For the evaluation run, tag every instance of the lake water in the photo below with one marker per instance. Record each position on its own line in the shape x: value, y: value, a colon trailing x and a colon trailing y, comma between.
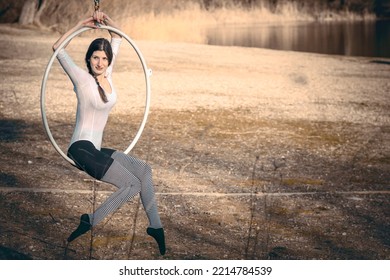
x: 371, y: 39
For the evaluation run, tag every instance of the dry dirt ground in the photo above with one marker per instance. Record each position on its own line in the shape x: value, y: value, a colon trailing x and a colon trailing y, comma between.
x: 257, y: 154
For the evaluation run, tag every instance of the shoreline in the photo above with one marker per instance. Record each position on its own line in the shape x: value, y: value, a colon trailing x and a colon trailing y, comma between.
x: 33, y: 30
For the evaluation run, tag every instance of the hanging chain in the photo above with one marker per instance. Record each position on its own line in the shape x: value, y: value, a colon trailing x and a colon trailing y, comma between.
x: 97, y: 4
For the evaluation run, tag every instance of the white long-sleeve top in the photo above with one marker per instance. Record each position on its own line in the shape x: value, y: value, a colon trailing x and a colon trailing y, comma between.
x: 92, y: 113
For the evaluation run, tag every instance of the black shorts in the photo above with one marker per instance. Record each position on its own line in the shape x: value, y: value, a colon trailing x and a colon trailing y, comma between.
x: 91, y: 160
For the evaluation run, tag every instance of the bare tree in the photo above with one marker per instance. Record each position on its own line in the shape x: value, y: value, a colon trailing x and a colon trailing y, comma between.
x: 31, y: 12
x: 28, y: 12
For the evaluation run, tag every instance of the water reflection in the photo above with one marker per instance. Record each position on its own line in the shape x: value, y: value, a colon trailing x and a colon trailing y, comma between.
x: 341, y: 38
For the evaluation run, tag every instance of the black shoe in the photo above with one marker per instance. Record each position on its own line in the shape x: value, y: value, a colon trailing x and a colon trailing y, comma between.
x: 158, y: 235
x: 83, y: 227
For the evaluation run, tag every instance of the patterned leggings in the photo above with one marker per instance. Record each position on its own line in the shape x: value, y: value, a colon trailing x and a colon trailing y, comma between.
x: 129, y: 174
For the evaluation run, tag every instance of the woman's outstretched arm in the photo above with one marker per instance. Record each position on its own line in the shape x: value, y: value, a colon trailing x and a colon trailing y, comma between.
x: 88, y: 22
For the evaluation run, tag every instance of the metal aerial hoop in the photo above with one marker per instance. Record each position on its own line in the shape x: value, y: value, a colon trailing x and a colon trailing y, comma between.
x: 146, y: 70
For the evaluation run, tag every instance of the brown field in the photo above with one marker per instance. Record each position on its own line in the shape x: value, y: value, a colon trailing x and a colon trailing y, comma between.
x: 257, y: 154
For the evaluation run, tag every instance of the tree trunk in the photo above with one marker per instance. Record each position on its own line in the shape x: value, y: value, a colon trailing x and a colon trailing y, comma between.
x: 29, y: 9
x: 37, y: 17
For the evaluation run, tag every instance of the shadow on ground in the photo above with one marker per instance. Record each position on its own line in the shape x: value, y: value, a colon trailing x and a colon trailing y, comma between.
x: 223, y: 204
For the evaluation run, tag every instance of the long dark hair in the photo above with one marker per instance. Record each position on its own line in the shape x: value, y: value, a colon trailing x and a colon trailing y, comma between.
x: 99, y: 44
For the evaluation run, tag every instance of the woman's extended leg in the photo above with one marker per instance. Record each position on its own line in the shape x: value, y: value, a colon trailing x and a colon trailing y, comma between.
x: 143, y: 172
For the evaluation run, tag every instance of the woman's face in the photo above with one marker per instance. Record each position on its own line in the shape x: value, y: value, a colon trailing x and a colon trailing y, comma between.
x: 98, y: 62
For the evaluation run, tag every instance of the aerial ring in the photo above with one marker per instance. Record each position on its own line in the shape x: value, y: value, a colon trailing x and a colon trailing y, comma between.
x: 147, y: 74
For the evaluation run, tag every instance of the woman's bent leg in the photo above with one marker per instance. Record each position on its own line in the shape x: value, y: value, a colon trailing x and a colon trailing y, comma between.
x: 102, y: 167
x: 143, y: 172
x: 128, y: 186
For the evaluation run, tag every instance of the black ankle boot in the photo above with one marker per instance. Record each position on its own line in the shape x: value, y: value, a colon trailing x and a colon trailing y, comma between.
x: 158, y: 235
x: 83, y: 227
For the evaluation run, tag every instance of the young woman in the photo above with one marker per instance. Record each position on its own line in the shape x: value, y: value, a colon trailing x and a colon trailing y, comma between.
x: 96, y: 96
